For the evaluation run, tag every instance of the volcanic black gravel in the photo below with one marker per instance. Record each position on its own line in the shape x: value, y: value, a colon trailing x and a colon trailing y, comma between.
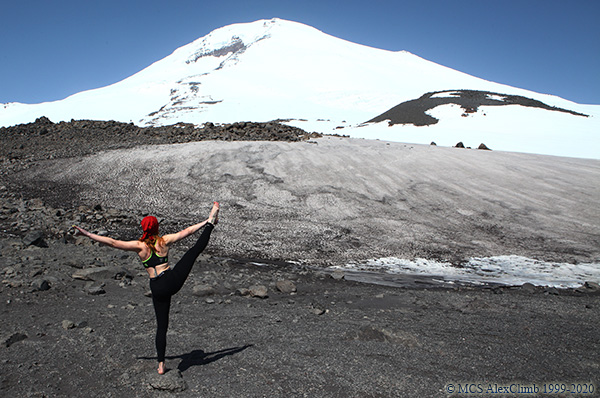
x: 77, y: 319
x: 43, y: 139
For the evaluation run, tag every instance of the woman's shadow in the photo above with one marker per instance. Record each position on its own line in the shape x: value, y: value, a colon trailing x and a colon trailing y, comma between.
x: 199, y: 357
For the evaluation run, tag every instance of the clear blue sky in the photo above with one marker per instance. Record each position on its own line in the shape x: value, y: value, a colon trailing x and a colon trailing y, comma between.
x: 52, y: 49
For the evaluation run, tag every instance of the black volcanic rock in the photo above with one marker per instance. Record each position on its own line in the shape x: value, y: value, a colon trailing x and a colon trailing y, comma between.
x: 415, y: 111
x: 43, y: 139
x: 35, y: 238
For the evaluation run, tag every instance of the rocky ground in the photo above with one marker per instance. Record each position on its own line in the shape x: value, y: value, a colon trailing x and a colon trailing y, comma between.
x: 77, y: 319
x: 43, y: 139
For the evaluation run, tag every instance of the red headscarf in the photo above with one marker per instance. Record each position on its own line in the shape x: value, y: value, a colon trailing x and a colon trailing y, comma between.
x: 150, y: 227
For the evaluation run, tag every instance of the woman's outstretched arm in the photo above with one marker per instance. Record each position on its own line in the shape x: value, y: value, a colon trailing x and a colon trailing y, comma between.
x: 133, y: 245
x: 184, y: 233
x: 212, y: 218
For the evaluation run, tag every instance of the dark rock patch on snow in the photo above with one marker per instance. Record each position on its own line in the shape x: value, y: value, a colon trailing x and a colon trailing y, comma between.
x: 415, y: 111
x: 236, y: 45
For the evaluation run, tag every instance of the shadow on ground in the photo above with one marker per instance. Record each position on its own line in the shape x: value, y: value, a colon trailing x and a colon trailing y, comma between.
x: 201, y: 358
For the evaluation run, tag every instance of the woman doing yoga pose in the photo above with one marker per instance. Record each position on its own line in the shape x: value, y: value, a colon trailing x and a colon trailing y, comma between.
x: 165, y: 281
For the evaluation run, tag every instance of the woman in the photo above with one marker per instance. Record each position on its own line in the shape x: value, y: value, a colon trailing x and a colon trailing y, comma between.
x: 165, y: 281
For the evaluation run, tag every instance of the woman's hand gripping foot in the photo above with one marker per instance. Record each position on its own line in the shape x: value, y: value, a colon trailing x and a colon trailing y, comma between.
x: 213, y: 217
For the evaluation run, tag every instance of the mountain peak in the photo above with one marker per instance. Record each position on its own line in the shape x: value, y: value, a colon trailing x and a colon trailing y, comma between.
x: 282, y: 70
x: 232, y: 38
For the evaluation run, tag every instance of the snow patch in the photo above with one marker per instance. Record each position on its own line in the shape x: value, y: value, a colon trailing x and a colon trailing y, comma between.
x: 504, y: 270
x: 495, y: 97
x: 446, y: 94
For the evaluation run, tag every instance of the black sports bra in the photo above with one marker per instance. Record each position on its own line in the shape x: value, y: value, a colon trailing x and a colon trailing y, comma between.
x: 155, y: 260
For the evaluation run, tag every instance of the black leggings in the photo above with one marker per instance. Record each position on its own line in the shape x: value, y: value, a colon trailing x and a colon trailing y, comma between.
x: 169, y: 283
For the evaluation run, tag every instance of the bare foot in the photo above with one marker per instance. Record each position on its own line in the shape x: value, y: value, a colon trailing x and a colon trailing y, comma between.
x: 213, y: 217
x: 162, y: 368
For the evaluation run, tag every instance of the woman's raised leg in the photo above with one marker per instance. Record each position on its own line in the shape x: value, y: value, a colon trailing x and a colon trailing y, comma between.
x: 182, y: 269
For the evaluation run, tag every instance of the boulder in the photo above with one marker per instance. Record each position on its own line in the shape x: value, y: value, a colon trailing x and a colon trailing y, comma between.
x: 100, y: 273
x: 552, y: 290
x: 338, y: 275
x: 203, y: 290
x: 34, y: 238
x: 95, y: 290
x: 12, y: 338
x: 43, y: 121
x: 286, y: 286
x: 317, y: 308
x: 259, y: 291
x: 40, y: 285
x: 242, y: 291
x: 528, y: 287
x: 172, y: 381
x: 66, y: 324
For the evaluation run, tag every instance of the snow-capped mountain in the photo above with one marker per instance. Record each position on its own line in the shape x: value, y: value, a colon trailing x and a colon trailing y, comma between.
x: 281, y: 70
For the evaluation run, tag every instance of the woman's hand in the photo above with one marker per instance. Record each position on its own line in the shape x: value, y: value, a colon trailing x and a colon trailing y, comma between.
x: 133, y: 245
x: 82, y: 231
